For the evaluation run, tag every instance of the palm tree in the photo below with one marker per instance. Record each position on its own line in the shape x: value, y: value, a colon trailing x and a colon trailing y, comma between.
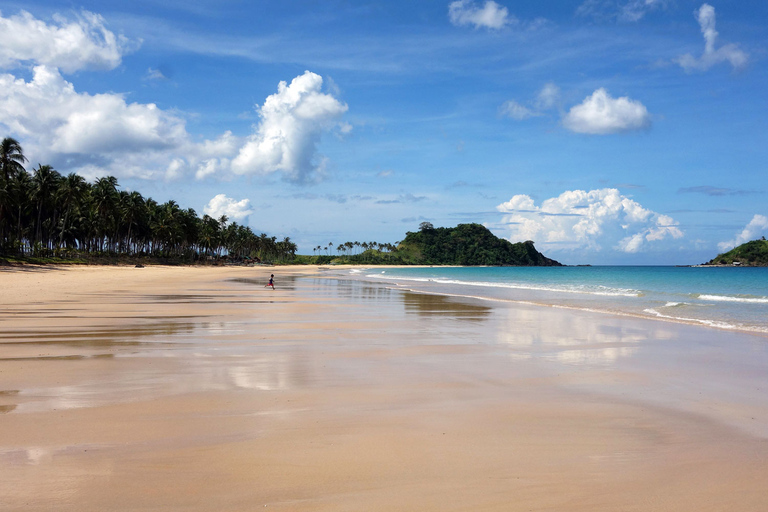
x: 20, y: 193
x: 104, y: 193
x: 11, y: 158
x: 190, y: 226
x: 44, y: 183
x: 132, y: 207
x: 44, y: 210
x: 71, y: 193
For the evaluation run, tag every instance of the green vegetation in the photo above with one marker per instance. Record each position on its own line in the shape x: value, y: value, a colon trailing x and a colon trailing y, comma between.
x: 466, y: 244
x: 49, y: 218
x: 750, y: 254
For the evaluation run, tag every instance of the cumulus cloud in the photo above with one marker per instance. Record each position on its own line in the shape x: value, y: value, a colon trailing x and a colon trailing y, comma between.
x: 592, y: 220
x: 727, y: 53
x: 756, y: 227
x: 627, y: 10
x: 233, y: 209
x: 600, y: 114
x: 58, y: 121
x: 70, y: 46
x: 491, y: 15
x: 102, y: 134
x: 292, y: 123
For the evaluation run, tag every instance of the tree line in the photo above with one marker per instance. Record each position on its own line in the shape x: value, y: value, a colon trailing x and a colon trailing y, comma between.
x: 46, y: 214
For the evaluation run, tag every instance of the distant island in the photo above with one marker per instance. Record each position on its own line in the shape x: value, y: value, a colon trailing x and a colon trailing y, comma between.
x: 750, y: 254
x: 465, y: 245
x: 468, y: 244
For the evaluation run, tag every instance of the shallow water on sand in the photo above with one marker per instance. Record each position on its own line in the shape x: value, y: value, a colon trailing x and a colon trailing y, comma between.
x: 726, y: 298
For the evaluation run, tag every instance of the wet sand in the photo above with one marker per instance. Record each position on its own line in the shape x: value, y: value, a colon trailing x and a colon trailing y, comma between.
x: 192, y: 389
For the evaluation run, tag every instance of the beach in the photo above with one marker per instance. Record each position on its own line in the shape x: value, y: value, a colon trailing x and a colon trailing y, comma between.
x: 198, y: 388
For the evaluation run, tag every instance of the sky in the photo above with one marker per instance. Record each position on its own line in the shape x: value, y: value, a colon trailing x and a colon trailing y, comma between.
x: 606, y: 131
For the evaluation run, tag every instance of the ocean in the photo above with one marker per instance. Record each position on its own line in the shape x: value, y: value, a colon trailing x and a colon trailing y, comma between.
x: 718, y: 297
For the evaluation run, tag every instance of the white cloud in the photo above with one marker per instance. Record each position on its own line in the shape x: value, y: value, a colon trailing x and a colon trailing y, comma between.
x: 517, y: 111
x: 627, y: 10
x: 600, y: 114
x: 592, y: 220
x: 292, y: 123
x: 491, y: 15
x: 635, y: 10
x: 175, y: 169
x: 68, y: 45
x: 756, y: 227
x: 154, y: 75
x: 59, y: 121
x: 546, y: 99
x: 102, y: 134
x: 223, y: 205
x: 712, y: 56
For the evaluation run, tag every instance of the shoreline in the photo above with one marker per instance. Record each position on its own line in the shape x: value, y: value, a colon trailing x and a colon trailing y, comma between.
x: 199, y: 389
x: 544, y: 296
x: 659, y: 318
x: 652, y: 315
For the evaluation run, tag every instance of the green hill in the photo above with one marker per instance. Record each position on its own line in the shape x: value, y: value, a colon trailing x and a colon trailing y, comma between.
x: 467, y: 244
x: 750, y: 254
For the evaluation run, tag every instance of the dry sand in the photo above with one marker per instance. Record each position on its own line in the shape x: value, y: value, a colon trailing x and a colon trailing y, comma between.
x: 163, y: 389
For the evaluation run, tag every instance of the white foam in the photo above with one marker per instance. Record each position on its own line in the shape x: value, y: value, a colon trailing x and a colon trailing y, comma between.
x: 730, y: 298
x: 599, y: 290
x: 710, y: 323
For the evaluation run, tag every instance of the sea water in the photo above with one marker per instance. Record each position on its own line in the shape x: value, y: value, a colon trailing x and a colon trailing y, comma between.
x: 721, y: 297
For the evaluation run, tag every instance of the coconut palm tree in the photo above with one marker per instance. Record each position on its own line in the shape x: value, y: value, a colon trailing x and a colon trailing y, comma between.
x: 20, y: 193
x: 131, y: 208
x: 11, y: 158
x: 45, y: 181
x: 104, y: 194
x: 11, y: 163
x: 70, y: 194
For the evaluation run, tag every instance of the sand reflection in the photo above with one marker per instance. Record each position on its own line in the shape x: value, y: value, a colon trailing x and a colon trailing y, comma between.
x: 428, y: 305
x: 271, y: 373
x: 583, y: 339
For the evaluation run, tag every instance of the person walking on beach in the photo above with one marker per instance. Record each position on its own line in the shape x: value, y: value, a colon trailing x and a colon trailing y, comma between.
x: 271, y: 282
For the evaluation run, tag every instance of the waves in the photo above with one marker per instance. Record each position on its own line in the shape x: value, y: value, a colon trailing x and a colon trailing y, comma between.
x: 727, y: 300
x: 731, y: 298
x: 599, y: 290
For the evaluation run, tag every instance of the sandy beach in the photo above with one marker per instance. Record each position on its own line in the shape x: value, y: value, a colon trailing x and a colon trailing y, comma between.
x: 198, y: 389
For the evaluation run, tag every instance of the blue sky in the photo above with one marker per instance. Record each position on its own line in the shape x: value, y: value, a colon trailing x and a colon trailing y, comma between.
x: 606, y: 131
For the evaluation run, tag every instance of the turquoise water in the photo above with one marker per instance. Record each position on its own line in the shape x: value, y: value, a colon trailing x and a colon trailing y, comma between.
x: 722, y: 297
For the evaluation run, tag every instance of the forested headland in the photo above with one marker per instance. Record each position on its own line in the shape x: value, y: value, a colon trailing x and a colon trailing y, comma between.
x: 749, y: 254
x: 468, y: 244
x: 465, y: 244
